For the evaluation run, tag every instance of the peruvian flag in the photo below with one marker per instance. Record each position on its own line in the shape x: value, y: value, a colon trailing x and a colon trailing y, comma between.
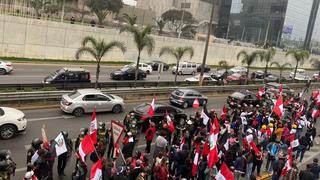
x: 288, y: 164
x: 254, y: 147
x: 224, y: 173
x: 224, y: 113
x: 86, y: 147
x: 96, y: 171
x: 94, y: 127
x: 318, y: 99
x: 195, y: 160
x: 182, y: 141
x: 260, y: 93
x: 314, y: 112
x: 151, y: 108
x: 170, y: 122
x: 213, y: 138
x: 206, y: 149
x: 205, y: 117
x: 278, y: 108
x: 196, y: 104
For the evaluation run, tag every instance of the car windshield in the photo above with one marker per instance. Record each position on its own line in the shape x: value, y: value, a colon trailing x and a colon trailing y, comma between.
x: 1, y: 112
x: 143, y: 107
x: 178, y: 93
x: 238, y: 95
x: 124, y: 69
x: 56, y: 73
x: 74, y: 95
x: 109, y: 95
x: 221, y: 71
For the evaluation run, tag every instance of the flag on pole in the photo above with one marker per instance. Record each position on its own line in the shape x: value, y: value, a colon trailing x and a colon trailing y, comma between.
x: 196, y: 104
x: 94, y: 127
x: 213, y: 138
x: 152, y: 107
x: 60, y: 144
x: 170, y: 122
x: 288, y: 164
x: 278, y: 108
x: 204, y: 117
x: 34, y: 157
x: 195, y: 160
x: 46, y: 143
x: 96, y: 171
x: 224, y: 173
x: 86, y: 147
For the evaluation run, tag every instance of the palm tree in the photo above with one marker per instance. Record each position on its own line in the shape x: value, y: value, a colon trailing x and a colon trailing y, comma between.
x: 316, y: 64
x: 267, y: 56
x: 223, y: 64
x: 37, y: 5
x: 178, y: 53
x: 281, y: 67
x: 130, y: 20
x: 248, y: 59
x: 160, y: 23
x: 299, y: 56
x: 142, y: 40
x: 97, y: 49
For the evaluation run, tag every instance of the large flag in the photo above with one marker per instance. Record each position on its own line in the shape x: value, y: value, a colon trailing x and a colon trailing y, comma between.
x: 224, y: 173
x: 86, y: 147
x: 96, y: 171
x: 205, y: 117
x: 213, y: 138
x: 94, y: 127
x: 60, y: 145
x: 224, y: 113
x: 254, y: 147
x: 260, y: 93
x: 196, y: 104
x: 195, y: 160
x: 170, y: 122
x: 152, y: 106
x: 278, y: 108
x: 288, y: 164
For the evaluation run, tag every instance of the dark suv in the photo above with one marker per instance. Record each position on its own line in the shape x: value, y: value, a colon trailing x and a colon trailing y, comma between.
x: 186, y: 97
x: 241, y: 98
x: 68, y: 75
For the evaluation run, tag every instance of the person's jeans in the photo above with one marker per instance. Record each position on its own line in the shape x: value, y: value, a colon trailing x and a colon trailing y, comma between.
x: 301, y: 150
x: 270, y: 160
x: 257, y: 164
x: 249, y: 170
x: 148, y: 148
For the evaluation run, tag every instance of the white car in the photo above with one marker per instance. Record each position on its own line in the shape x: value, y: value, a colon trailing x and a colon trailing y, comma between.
x: 5, y: 67
x: 300, y: 75
x: 11, y: 122
x: 239, y: 69
x: 143, y: 66
x: 185, y: 68
x: 206, y: 78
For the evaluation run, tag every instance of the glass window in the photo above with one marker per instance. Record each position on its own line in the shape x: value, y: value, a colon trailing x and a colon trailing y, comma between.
x: 184, y: 66
x: 189, y: 66
x: 71, y: 76
x: 100, y: 97
x: 189, y: 94
x: 194, y: 65
x: 90, y: 97
x: 61, y: 77
x: 1, y: 112
x: 74, y: 95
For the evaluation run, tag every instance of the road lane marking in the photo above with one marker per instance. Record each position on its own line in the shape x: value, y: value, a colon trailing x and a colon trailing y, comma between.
x: 49, y: 118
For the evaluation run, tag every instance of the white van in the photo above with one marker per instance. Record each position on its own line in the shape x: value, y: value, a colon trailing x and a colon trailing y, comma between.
x: 185, y: 68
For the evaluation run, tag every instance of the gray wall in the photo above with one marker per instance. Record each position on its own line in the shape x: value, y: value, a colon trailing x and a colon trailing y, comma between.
x: 32, y: 38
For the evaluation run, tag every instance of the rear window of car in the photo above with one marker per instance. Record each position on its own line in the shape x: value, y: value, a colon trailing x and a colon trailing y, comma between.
x: 178, y: 93
x: 143, y: 107
x: 74, y: 95
x: 1, y: 112
x: 237, y: 95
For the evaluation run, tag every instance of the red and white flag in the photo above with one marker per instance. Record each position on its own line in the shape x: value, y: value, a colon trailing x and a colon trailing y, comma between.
x: 278, y: 108
x: 46, y: 143
x: 182, y: 141
x: 260, y: 93
x: 152, y: 106
x: 205, y: 117
x: 93, y: 131
x: 224, y: 173
x: 170, y: 122
x: 318, y: 99
x: 196, y: 104
x: 195, y: 160
x: 96, y: 171
x: 213, y: 138
x: 315, y: 112
x: 254, y: 147
x: 86, y: 147
x: 280, y: 89
x: 224, y: 113
x: 288, y: 164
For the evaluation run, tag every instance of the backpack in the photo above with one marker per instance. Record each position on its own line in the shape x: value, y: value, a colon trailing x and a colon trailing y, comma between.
x: 274, y: 150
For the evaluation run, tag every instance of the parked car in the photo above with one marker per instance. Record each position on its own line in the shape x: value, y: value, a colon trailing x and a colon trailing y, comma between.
x: 258, y: 75
x: 273, y: 77
x: 300, y: 75
x: 186, y: 97
x: 142, y: 66
x: 206, y: 78
x: 241, y: 98
x: 221, y: 74
x: 239, y: 69
x: 236, y: 77
x: 12, y: 121
x: 316, y: 77
x: 5, y: 67
x: 185, y: 68
x: 127, y: 73
x: 273, y: 88
x: 155, y: 65
x: 85, y: 100
x: 68, y: 75
x: 206, y: 68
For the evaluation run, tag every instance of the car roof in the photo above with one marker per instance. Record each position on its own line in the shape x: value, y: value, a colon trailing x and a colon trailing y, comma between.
x: 187, y: 90
x: 75, y: 69
x: 89, y: 91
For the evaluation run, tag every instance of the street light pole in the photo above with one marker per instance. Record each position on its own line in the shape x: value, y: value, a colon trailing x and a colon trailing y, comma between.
x: 182, y: 17
x: 206, y: 45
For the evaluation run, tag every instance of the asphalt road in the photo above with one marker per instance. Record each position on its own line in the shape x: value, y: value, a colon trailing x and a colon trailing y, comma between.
x: 31, y: 73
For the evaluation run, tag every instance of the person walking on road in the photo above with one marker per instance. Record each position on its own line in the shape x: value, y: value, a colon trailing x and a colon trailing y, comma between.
x: 306, y: 174
x: 63, y: 158
x: 149, y: 136
x: 315, y: 168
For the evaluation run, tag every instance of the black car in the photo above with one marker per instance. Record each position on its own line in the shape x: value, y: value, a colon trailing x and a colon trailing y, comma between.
x: 221, y: 74
x: 241, y: 98
x: 206, y: 68
x: 155, y: 65
x: 141, y: 113
x: 258, y: 75
x: 273, y: 77
x: 68, y: 75
x: 186, y: 97
x: 127, y: 73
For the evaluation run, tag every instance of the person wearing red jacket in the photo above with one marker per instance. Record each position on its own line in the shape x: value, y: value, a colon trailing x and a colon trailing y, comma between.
x: 149, y: 136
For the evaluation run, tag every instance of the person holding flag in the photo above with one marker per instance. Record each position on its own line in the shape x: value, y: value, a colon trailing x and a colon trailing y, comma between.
x: 149, y: 136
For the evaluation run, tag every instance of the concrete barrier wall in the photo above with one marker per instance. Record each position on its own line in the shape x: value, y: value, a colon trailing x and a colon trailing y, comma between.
x: 32, y: 38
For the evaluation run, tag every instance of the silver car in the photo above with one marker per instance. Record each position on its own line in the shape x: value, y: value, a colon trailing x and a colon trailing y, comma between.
x: 84, y: 101
x: 5, y: 67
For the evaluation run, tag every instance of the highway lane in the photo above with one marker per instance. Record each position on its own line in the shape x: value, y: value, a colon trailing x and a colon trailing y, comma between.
x: 30, y: 73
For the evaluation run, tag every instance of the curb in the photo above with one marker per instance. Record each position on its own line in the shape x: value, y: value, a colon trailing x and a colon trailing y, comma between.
x: 67, y: 64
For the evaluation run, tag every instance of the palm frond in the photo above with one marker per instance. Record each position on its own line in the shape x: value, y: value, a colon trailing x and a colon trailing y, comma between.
x: 276, y: 64
x: 86, y: 50
x: 112, y: 45
x: 149, y: 44
x: 189, y: 50
x: 167, y: 50
x: 89, y: 39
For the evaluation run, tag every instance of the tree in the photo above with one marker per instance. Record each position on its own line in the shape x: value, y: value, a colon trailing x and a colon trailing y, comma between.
x: 178, y: 53
x: 248, y: 59
x: 101, y: 8
x: 281, y: 67
x: 299, y: 56
x: 97, y: 49
x: 267, y: 56
x: 142, y: 40
x: 38, y: 5
x: 178, y: 18
x: 316, y: 64
x: 223, y: 64
x: 130, y: 20
x: 160, y: 23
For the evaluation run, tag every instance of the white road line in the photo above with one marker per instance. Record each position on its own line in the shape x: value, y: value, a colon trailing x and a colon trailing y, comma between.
x: 21, y: 169
x: 48, y: 118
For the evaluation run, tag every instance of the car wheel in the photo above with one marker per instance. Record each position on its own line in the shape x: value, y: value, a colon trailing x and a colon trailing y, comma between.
x: 180, y: 73
x: 117, y: 109
x: 2, y: 71
x: 7, y: 131
x: 185, y: 105
x: 78, y: 112
x: 148, y: 72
